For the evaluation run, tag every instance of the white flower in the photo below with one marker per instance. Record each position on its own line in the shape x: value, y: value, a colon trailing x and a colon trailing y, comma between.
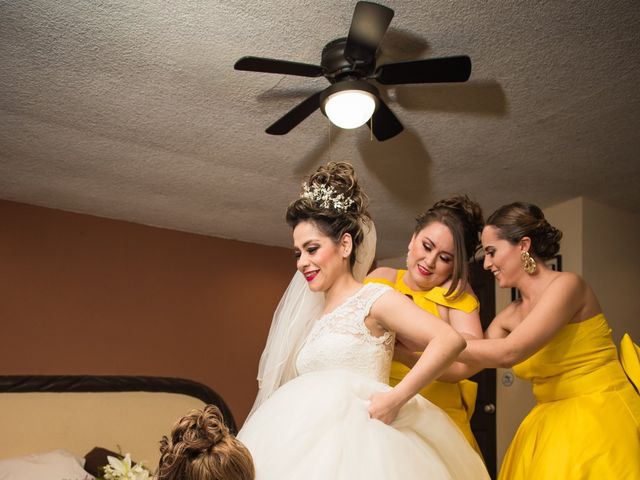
x: 122, y: 469
x: 326, y: 197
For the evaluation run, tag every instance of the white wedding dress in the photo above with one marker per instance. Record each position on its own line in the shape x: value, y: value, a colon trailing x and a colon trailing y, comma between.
x: 317, y: 426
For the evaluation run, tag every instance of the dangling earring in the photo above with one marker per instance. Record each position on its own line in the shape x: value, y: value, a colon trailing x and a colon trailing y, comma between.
x: 528, y: 263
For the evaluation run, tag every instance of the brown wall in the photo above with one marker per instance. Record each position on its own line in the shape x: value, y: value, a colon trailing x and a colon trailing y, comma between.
x: 88, y: 295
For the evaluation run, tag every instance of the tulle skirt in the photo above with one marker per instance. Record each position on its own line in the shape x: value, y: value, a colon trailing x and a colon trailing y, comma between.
x: 317, y: 427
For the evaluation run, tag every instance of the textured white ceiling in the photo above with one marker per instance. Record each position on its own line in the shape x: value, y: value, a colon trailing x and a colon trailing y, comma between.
x: 132, y: 110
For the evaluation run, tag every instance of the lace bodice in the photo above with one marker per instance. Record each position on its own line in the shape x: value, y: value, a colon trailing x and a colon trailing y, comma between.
x: 340, y: 339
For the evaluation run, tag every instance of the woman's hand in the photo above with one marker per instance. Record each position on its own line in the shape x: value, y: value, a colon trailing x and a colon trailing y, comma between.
x: 385, y: 406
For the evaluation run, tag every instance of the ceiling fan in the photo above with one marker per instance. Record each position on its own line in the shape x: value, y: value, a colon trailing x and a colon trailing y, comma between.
x: 349, y: 64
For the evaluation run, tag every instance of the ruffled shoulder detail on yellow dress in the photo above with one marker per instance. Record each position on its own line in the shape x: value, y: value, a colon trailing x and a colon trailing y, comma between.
x: 464, y: 302
x: 630, y: 359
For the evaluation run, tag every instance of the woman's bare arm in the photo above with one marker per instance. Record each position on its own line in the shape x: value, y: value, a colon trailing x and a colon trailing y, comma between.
x: 558, y: 304
x: 440, y: 342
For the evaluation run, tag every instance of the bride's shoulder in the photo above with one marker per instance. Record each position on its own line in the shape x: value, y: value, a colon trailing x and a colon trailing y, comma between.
x: 383, y: 297
x: 375, y: 289
x: 371, y: 292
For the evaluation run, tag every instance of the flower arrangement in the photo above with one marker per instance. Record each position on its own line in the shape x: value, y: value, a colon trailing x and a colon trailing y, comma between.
x: 123, y: 469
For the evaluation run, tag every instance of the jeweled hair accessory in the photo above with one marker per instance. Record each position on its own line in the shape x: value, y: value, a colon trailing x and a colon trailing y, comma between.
x: 326, y: 197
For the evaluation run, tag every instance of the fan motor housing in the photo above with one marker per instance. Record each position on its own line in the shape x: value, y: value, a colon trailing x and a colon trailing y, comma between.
x: 339, y: 67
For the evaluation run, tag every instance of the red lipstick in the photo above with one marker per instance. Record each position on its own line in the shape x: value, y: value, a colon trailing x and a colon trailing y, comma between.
x: 423, y: 271
x: 311, y: 275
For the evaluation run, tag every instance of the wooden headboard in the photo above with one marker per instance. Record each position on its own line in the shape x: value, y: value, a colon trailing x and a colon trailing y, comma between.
x: 77, y: 413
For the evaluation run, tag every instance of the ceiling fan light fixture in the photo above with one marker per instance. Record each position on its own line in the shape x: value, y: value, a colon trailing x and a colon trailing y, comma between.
x: 349, y: 104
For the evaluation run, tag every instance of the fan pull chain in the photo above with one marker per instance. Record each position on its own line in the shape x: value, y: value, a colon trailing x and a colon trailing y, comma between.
x: 371, y: 129
x: 330, y: 145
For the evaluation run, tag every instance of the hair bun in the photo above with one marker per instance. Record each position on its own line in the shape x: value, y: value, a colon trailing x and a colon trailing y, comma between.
x: 202, y: 448
x: 204, y: 429
x: 341, y: 178
x: 194, y: 434
x: 471, y: 212
x: 521, y: 219
x: 548, y: 240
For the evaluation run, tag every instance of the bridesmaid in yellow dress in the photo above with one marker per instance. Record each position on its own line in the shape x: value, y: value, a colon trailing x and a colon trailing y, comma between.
x: 445, y: 237
x: 586, y: 424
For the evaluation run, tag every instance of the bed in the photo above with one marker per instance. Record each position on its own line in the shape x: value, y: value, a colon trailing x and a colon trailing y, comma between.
x: 127, y: 414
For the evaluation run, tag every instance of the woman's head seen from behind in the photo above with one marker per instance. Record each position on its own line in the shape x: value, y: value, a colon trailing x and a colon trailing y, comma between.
x: 327, y: 221
x: 445, y: 239
x: 202, y: 448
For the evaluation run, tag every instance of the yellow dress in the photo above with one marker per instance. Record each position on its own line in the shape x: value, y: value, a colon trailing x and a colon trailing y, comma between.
x: 586, y: 424
x: 458, y: 400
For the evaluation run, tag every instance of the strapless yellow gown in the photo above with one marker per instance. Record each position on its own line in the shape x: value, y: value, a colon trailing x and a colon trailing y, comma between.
x: 586, y: 424
x: 458, y: 400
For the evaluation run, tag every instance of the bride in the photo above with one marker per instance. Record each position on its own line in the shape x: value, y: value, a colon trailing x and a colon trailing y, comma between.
x: 324, y: 409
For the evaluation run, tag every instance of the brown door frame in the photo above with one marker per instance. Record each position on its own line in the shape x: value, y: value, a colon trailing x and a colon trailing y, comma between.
x: 483, y: 422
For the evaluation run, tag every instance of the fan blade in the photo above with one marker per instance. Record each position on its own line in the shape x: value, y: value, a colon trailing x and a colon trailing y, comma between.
x: 368, y: 25
x: 432, y: 70
x: 270, y: 65
x: 384, y: 124
x: 295, y: 116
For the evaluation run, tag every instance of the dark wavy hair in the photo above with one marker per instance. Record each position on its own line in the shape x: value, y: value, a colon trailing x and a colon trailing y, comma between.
x: 202, y: 448
x: 520, y: 219
x: 334, y: 222
x: 463, y: 217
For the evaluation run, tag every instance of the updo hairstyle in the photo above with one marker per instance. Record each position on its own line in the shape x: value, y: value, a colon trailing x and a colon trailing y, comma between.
x: 521, y: 219
x: 348, y: 216
x: 463, y: 217
x: 202, y: 448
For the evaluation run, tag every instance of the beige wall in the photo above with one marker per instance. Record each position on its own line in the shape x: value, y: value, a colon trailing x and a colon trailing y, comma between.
x: 398, y: 263
x: 569, y: 218
x: 88, y: 295
x: 612, y: 264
